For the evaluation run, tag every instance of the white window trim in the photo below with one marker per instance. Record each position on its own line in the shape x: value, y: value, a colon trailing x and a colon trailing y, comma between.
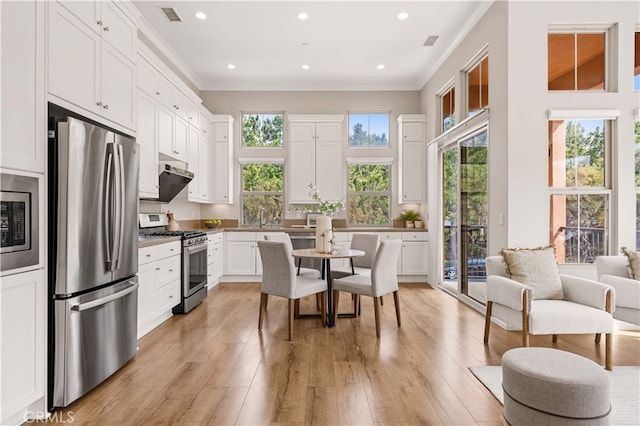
x: 278, y: 160
x: 451, y: 84
x: 381, y: 160
x: 477, y: 58
x: 273, y: 112
x: 583, y: 114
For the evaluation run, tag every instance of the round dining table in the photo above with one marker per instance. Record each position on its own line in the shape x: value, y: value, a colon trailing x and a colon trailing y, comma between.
x: 326, y: 267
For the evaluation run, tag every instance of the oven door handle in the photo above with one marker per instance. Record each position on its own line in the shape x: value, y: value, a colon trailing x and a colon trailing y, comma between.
x: 104, y: 300
x: 195, y: 248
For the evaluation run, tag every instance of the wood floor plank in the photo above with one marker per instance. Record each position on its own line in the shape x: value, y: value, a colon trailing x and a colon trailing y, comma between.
x: 213, y: 366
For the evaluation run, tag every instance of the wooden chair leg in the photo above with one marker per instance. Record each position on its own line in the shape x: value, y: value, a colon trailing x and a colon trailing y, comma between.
x: 598, y: 337
x: 323, y: 304
x: 263, y: 307
x: 525, y: 319
x: 487, y: 321
x: 291, y: 309
x: 356, y: 300
x: 608, y: 361
x: 318, y: 301
x: 396, y: 301
x: 336, y: 299
x: 376, y: 312
x: 296, y: 308
x: 554, y: 339
x: 381, y: 301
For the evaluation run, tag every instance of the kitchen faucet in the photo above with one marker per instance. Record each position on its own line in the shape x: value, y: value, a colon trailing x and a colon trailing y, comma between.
x: 262, y: 220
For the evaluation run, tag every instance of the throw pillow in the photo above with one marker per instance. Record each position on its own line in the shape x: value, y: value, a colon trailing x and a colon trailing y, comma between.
x: 536, y: 268
x: 634, y: 262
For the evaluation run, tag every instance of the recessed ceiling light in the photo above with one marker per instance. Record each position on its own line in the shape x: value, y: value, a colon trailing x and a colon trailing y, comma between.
x: 305, y: 67
x: 231, y: 66
x: 380, y: 66
x: 303, y: 16
x: 403, y: 15
x: 201, y: 15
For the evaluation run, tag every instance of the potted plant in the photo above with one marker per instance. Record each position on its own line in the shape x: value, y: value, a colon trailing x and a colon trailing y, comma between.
x: 409, y: 217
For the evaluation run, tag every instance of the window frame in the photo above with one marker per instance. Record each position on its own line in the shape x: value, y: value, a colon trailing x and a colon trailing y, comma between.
x: 369, y: 113
x: 261, y: 113
x: 370, y: 161
x: 280, y: 161
x: 475, y: 62
x: 609, y: 119
x: 446, y: 89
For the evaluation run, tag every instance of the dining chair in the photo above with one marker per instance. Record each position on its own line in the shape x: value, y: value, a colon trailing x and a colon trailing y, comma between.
x: 361, y: 265
x: 382, y: 280
x: 285, y: 238
x: 279, y: 279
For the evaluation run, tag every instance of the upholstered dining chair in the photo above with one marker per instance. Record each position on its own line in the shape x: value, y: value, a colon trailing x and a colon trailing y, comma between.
x: 614, y: 271
x: 557, y: 304
x: 382, y: 280
x: 279, y: 279
x: 360, y: 265
x: 285, y: 238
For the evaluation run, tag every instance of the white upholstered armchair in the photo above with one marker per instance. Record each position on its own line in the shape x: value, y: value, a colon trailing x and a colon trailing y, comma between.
x: 614, y: 271
x: 583, y: 306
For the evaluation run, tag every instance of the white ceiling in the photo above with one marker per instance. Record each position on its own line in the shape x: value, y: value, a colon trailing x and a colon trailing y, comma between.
x: 346, y: 41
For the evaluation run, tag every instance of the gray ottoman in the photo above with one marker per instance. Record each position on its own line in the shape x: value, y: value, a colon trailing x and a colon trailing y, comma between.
x: 545, y: 386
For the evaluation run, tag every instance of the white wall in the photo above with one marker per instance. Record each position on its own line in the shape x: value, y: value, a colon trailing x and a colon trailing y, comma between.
x: 312, y: 102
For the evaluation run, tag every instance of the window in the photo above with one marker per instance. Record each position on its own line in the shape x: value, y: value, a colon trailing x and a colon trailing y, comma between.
x: 579, y: 187
x: 576, y: 61
x: 262, y: 130
x: 262, y: 193
x: 478, y: 87
x: 369, y: 130
x: 448, y: 109
x: 369, y: 198
x: 636, y: 63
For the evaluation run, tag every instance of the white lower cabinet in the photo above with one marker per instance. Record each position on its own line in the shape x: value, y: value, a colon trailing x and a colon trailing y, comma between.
x: 159, y: 278
x: 240, y: 253
x: 22, y: 307
x: 414, y: 253
x: 215, y: 260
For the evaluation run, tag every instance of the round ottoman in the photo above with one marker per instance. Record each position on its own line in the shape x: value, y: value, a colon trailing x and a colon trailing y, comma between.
x: 545, y: 386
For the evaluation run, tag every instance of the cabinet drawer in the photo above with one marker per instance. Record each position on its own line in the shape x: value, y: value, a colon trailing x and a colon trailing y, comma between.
x: 215, y: 238
x: 241, y: 236
x: 168, y: 271
x: 390, y: 236
x: 168, y: 297
x: 414, y: 236
x: 169, y: 249
x: 147, y: 255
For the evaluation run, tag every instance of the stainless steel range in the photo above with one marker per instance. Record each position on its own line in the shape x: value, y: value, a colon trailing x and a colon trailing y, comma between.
x: 193, y: 289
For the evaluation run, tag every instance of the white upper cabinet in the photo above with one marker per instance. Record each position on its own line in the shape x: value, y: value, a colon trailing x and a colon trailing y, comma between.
x: 411, y: 158
x: 146, y: 137
x: 222, y: 158
x: 91, y: 61
x: 315, y: 156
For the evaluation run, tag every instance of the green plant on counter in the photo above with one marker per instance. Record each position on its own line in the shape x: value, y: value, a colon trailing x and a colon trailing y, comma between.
x: 322, y: 206
x: 409, y: 216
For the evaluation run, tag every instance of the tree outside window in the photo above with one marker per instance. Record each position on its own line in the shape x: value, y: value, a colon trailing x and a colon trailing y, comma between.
x: 369, y: 130
x: 579, y: 189
x: 369, y: 198
x: 262, y: 193
x: 262, y: 130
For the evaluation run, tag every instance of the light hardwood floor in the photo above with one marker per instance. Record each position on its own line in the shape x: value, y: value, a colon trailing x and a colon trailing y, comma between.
x: 213, y: 366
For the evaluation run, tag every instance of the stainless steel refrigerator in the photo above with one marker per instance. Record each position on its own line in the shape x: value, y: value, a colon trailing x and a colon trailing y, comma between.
x: 93, y: 255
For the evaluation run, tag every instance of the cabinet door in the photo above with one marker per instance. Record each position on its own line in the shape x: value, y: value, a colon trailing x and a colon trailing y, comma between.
x: 329, y: 165
x: 165, y: 131
x: 146, y: 292
x: 413, y: 132
x: 222, y: 172
x: 146, y: 137
x: 22, y: 327
x: 73, y: 50
x: 329, y: 132
x: 167, y: 297
x: 147, y: 76
x: 194, y: 164
x: 193, y: 114
x: 414, y: 258
x: 118, y: 87
x: 165, y: 92
x: 118, y: 30
x: 180, y: 103
x: 302, y: 170
x: 221, y: 132
x: 204, y: 166
x: 86, y: 11
x: 218, y: 258
x: 180, y: 139
x: 302, y: 132
x: 240, y: 258
x: 412, y: 172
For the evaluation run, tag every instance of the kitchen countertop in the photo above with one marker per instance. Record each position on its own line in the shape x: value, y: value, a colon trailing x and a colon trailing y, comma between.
x: 146, y: 241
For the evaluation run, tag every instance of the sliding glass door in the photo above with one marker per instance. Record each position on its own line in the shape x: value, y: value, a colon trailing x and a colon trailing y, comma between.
x: 465, y: 215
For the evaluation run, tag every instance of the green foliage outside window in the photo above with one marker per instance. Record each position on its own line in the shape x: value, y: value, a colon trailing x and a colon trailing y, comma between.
x: 369, y: 130
x: 369, y: 198
x: 262, y: 130
x: 262, y: 191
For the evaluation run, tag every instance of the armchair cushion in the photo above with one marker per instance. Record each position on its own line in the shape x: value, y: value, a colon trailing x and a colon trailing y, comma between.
x: 634, y: 262
x: 506, y: 291
x: 535, y: 268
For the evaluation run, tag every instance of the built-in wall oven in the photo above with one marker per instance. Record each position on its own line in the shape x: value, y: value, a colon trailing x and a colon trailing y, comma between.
x: 19, y: 233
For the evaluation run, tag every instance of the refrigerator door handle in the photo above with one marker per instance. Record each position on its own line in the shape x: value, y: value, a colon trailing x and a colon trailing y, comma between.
x: 104, y: 300
x: 107, y: 211
x: 119, y: 207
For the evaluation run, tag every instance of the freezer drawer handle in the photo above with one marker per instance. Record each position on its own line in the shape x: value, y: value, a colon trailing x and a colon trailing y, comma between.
x: 105, y: 300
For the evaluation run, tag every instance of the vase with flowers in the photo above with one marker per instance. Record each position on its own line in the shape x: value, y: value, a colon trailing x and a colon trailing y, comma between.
x: 324, y: 230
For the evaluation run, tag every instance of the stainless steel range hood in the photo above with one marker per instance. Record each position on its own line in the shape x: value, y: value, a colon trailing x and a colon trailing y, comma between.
x: 172, y: 180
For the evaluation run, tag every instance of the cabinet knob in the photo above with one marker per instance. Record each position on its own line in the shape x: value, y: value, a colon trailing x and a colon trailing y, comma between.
x: 171, y: 296
x: 106, y: 28
x: 157, y: 93
x: 148, y: 254
x: 170, y: 270
x: 99, y: 103
x: 105, y: 106
x: 157, y: 269
x: 99, y: 22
